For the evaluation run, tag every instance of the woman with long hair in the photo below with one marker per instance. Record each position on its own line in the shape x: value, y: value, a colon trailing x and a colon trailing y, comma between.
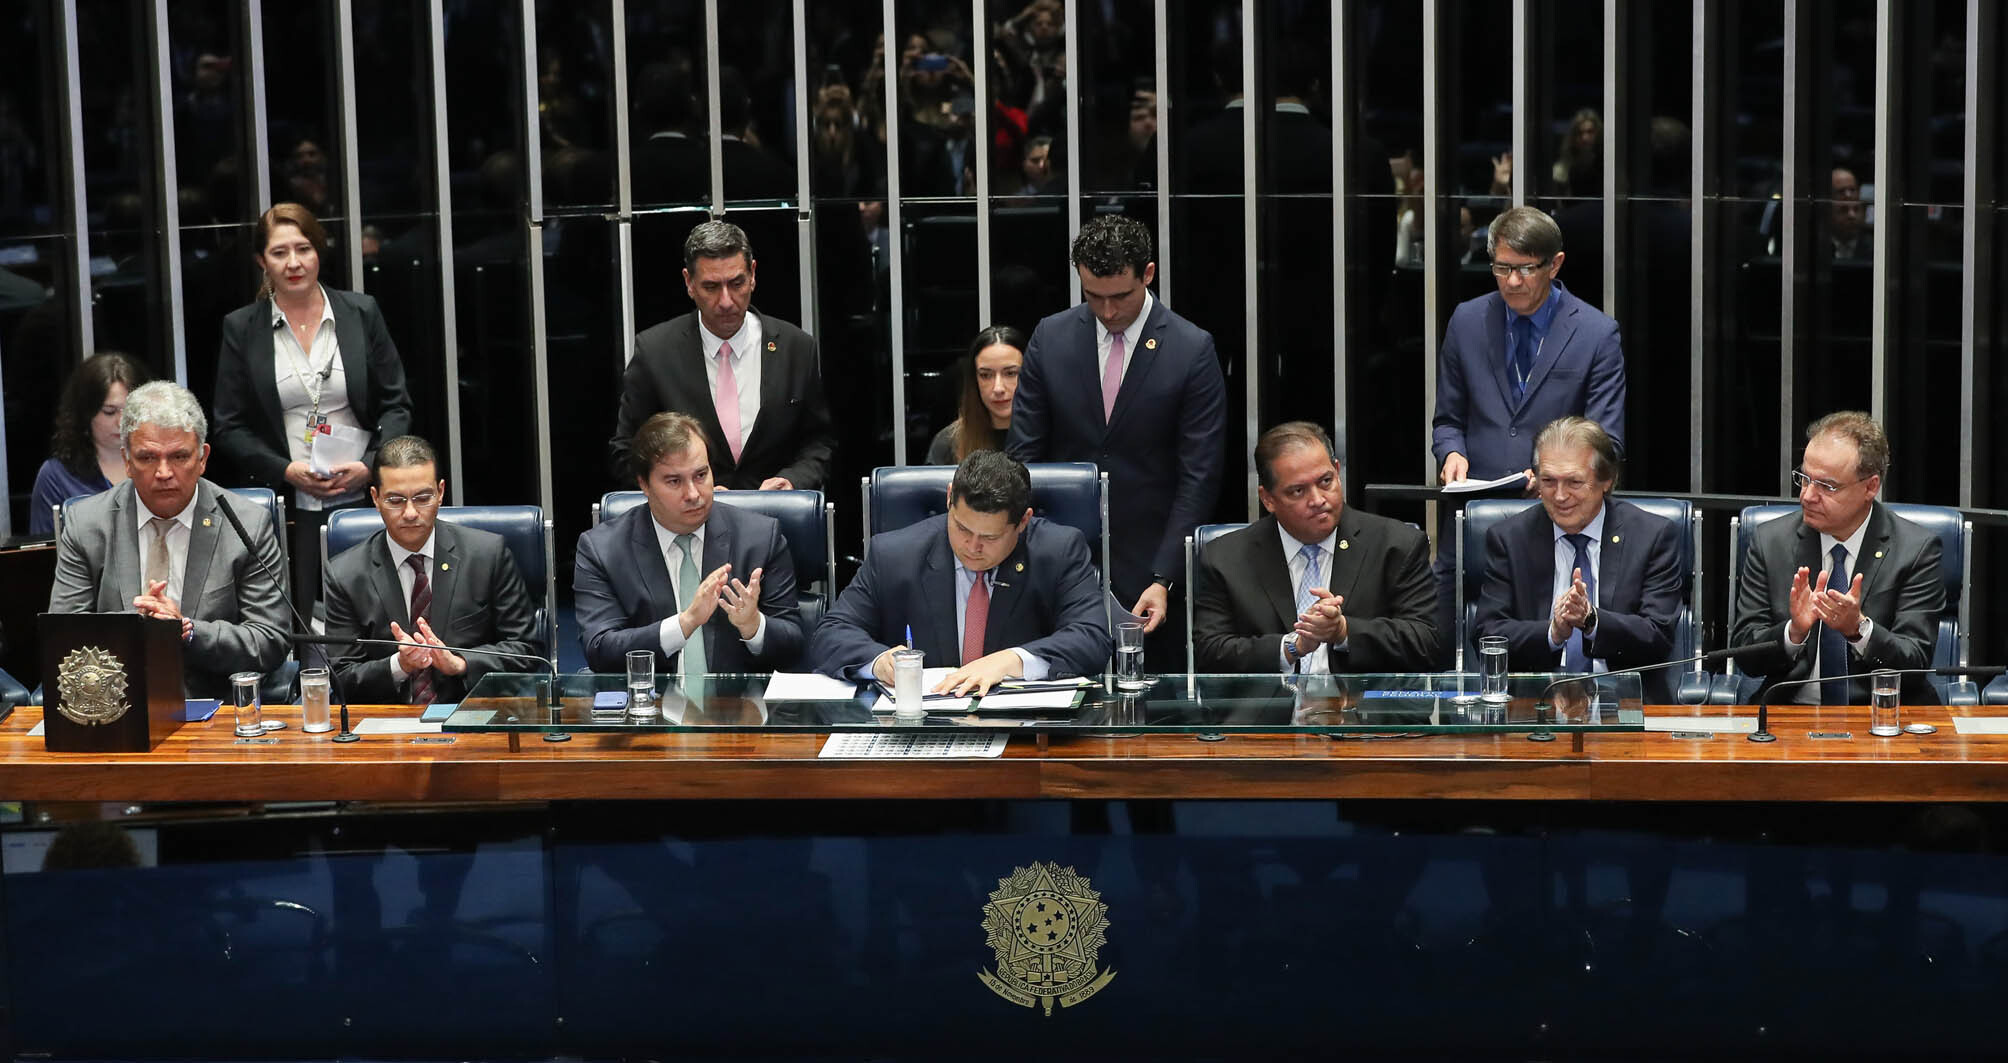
x: 308, y: 385
x: 85, y: 455
x: 989, y: 383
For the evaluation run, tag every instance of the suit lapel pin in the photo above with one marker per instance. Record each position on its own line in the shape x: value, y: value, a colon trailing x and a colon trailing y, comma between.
x: 771, y: 346
x: 1150, y: 344
x: 205, y: 523
x: 1878, y: 552
x: 1344, y: 545
x: 1617, y: 539
x: 1019, y: 567
x: 443, y: 566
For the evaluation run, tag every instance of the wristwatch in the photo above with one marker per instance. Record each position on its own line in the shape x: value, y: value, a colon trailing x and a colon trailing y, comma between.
x: 1590, y: 622
x: 1157, y: 577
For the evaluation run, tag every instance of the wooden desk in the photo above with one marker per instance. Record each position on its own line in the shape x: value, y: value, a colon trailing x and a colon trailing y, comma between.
x: 204, y: 762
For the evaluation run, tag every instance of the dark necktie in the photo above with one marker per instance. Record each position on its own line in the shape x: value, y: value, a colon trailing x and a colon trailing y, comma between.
x: 1834, y: 647
x: 421, y: 606
x: 1521, y: 361
x: 1574, y: 657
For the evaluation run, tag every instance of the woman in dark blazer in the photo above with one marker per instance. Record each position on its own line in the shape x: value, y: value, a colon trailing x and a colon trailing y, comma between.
x: 302, y: 359
x: 989, y: 380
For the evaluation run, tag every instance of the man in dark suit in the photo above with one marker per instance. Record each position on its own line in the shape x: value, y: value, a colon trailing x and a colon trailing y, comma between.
x: 750, y: 380
x: 429, y: 585
x: 986, y: 586
x: 1852, y: 586
x: 1123, y: 382
x: 662, y: 576
x: 1585, y: 582
x: 1314, y: 586
x: 157, y: 545
x: 1513, y: 361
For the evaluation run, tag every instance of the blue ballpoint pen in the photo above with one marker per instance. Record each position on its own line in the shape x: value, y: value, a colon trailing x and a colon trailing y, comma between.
x: 909, y: 636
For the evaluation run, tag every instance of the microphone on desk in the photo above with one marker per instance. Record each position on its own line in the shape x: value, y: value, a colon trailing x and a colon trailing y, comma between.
x: 1711, y: 657
x: 1763, y: 733
x: 550, y: 663
x: 334, y: 681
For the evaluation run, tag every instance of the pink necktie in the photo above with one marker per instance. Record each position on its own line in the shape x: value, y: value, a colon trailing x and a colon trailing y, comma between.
x: 1112, y: 377
x: 975, y: 619
x: 727, y: 400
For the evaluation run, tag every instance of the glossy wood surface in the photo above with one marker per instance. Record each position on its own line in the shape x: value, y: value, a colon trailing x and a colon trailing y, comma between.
x: 205, y: 762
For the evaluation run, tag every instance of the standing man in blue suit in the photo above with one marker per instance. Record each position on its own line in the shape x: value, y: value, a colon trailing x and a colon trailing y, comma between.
x: 1123, y: 382
x: 986, y: 587
x: 1584, y: 582
x: 1513, y: 361
x: 708, y: 588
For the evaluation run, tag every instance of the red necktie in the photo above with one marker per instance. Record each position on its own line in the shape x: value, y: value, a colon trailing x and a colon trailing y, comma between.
x: 975, y: 618
x: 421, y: 604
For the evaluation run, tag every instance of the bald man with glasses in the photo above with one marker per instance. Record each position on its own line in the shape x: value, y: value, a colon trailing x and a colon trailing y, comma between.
x: 1850, y: 586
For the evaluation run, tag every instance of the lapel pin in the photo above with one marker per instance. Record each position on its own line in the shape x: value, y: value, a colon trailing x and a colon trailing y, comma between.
x: 1150, y: 344
x: 771, y: 346
x: 1617, y: 539
x: 205, y: 523
x: 1878, y: 552
x: 443, y: 566
x: 1344, y: 545
x: 1020, y: 567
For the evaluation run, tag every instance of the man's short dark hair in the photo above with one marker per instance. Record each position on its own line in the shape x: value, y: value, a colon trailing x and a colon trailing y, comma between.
x: 991, y: 481
x: 1871, y: 442
x: 715, y: 239
x: 1280, y: 440
x: 1112, y: 243
x: 664, y: 434
x: 403, y: 453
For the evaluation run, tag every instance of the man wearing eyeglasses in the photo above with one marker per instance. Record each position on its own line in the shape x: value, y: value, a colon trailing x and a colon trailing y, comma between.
x: 156, y: 545
x: 1584, y: 582
x: 426, y: 584
x: 1850, y: 586
x: 1514, y: 360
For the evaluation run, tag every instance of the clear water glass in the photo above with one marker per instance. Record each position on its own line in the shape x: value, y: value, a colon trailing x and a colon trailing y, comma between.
x: 641, y: 682
x: 314, y: 686
x: 1883, y: 686
x: 1492, y: 668
x: 1129, y: 657
x: 250, y: 710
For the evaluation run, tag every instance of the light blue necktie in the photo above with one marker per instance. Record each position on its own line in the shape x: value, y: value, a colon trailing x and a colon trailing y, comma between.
x: 691, y: 663
x: 1310, y: 553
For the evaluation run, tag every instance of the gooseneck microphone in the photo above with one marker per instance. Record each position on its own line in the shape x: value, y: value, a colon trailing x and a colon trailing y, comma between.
x: 1763, y: 732
x: 334, y: 679
x: 1711, y: 657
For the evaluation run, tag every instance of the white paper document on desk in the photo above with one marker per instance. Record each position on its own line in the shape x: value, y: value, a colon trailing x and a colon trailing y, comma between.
x: 396, y: 725
x: 808, y: 686
x: 1735, y: 725
x: 1980, y: 725
x: 1465, y: 487
x: 1029, y: 699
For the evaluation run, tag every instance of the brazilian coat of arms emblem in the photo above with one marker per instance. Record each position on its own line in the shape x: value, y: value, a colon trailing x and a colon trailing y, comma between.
x: 1046, y: 926
x: 91, y: 687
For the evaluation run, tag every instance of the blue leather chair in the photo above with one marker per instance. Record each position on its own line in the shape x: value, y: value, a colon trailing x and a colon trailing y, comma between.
x: 1478, y: 518
x: 279, y: 684
x: 522, y: 528
x: 12, y: 694
x: 1955, y: 542
x: 1195, y: 549
x: 807, y: 522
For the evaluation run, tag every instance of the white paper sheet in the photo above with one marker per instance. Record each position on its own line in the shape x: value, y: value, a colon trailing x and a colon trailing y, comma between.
x: 1735, y: 725
x: 336, y: 444
x: 1029, y: 699
x: 808, y: 686
x: 1465, y: 487
x: 396, y: 725
x: 1980, y: 725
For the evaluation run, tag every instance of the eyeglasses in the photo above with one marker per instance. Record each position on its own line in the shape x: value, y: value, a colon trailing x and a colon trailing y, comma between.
x: 1800, y: 480
x: 423, y: 500
x: 1526, y: 270
x: 1551, y: 484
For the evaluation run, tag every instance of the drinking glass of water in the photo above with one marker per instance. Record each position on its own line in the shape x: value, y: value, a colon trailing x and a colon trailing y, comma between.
x: 1882, y: 703
x: 1492, y: 668
x: 244, y: 695
x: 909, y: 701
x: 1129, y: 657
x: 641, y: 682
x: 314, y: 701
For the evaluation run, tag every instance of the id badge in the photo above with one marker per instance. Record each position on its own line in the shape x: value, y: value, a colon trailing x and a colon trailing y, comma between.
x: 317, y: 425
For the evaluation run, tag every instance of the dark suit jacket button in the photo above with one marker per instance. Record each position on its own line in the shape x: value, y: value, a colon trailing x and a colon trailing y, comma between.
x: 1512, y: 431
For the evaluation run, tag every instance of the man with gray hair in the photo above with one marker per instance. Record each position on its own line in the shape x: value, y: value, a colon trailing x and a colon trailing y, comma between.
x: 1514, y: 360
x: 751, y: 380
x: 1850, y: 586
x: 157, y: 545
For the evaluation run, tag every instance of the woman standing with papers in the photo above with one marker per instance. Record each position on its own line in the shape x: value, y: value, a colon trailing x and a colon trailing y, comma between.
x: 308, y: 385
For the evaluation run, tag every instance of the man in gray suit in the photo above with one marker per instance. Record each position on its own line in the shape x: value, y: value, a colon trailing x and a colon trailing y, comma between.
x: 1850, y: 586
x: 430, y: 585
x: 159, y: 540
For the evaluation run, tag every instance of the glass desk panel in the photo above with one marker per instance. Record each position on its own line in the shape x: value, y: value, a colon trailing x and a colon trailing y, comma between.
x: 1441, y: 703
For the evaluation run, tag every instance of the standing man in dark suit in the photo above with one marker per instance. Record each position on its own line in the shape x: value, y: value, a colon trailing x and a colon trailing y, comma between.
x: 1123, y: 382
x: 986, y: 586
x: 1314, y: 586
x: 709, y: 588
x: 1513, y: 361
x: 750, y: 380
x: 1852, y: 586
x: 1585, y: 582
x: 157, y: 545
x: 429, y: 585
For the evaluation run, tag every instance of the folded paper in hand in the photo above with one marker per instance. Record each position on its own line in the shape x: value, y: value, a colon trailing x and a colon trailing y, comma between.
x: 336, y: 444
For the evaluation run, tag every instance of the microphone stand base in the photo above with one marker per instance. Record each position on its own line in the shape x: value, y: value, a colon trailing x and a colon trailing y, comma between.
x: 347, y: 736
x: 1541, y: 736
x: 1919, y: 729
x: 557, y: 736
x: 1763, y: 736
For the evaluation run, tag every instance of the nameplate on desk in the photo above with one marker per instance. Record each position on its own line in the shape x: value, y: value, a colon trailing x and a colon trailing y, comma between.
x: 435, y: 740
x: 1844, y: 735
x: 257, y: 742
x: 1691, y: 735
x: 1424, y: 695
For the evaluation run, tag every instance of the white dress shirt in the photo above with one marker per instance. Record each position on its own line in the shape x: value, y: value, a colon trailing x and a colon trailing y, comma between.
x: 177, y: 547
x: 298, y: 374
x: 1318, y: 661
x: 671, y: 634
x: 1565, y: 565
x: 405, y: 579
x: 1130, y: 337
x: 745, y: 371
